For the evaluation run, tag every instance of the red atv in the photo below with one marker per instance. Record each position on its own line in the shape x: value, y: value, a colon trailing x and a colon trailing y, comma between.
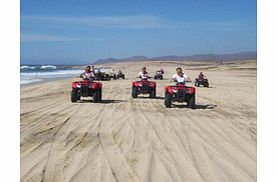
x: 159, y: 74
x: 202, y: 81
x: 144, y: 87
x: 86, y: 88
x: 179, y: 93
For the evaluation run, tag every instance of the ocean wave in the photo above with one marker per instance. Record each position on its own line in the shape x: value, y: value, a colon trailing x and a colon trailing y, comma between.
x: 48, y: 67
x: 29, y: 77
x: 52, y: 73
x: 27, y: 67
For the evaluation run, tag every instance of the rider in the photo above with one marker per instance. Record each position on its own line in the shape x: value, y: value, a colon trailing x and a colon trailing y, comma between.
x: 160, y: 71
x: 143, y: 74
x: 112, y: 71
x: 180, y: 77
x: 201, y: 76
x: 92, y: 69
x: 87, y: 74
x: 97, y: 71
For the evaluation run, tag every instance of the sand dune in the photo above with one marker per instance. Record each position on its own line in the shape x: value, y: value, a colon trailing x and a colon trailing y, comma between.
x: 125, y: 139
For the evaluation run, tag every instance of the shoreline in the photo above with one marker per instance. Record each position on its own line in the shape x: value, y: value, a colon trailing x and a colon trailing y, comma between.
x: 48, y: 80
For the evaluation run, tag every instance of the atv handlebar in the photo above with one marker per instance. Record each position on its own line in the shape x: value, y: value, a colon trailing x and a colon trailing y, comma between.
x: 181, y: 82
x: 146, y: 77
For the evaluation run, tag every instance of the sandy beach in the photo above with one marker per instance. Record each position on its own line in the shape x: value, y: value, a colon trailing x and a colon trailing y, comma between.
x: 126, y: 139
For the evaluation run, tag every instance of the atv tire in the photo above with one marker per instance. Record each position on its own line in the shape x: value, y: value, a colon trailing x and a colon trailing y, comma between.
x: 167, y: 100
x: 74, y: 95
x: 134, y: 92
x: 123, y: 76
x: 97, y: 96
x: 100, y: 95
x: 191, y: 102
x: 153, y: 93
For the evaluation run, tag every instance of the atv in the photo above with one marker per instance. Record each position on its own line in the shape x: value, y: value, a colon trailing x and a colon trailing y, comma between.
x: 86, y: 88
x: 179, y: 93
x: 113, y: 76
x: 101, y: 76
x: 199, y: 82
x: 120, y: 75
x: 158, y: 76
x: 144, y: 87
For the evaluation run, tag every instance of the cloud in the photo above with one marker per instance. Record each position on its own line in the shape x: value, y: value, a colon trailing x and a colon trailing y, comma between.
x: 30, y: 37
x: 136, y: 22
x: 139, y: 21
x: 224, y: 25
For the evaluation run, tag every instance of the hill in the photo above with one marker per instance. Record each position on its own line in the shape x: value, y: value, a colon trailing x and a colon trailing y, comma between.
x: 199, y: 57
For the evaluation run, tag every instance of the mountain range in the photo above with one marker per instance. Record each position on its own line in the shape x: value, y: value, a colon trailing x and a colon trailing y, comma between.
x: 240, y: 56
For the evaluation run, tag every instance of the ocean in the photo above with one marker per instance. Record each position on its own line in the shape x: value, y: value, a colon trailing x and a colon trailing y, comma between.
x: 38, y: 73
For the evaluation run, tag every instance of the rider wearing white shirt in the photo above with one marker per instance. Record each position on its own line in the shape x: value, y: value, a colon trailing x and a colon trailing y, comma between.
x: 143, y: 74
x: 179, y: 76
x: 87, y: 74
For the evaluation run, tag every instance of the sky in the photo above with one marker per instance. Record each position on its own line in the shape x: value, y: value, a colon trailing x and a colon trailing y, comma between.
x: 83, y: 31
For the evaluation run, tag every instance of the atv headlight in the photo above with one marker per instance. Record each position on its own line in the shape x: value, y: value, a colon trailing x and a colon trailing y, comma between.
x: 139, y: 84
x: 78, y: 86
x: 175, y: 91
